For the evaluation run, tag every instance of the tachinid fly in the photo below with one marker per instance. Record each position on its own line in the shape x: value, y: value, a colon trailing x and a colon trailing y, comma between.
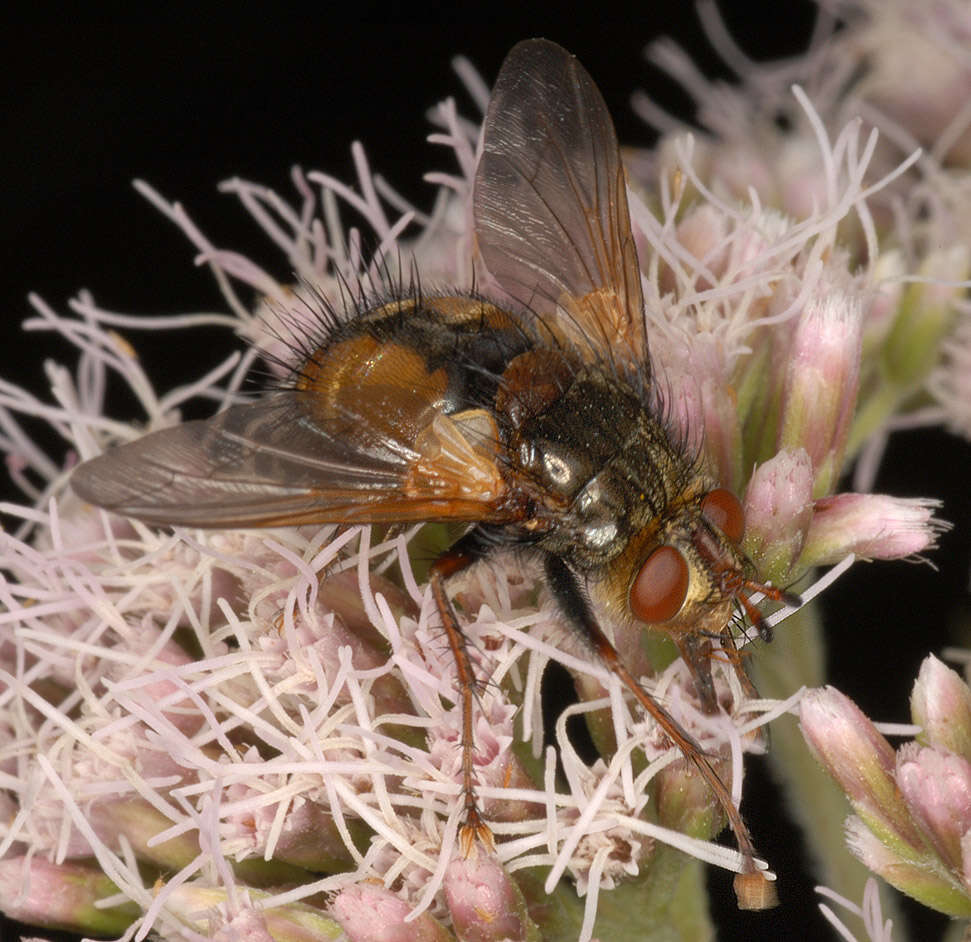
x: 536, y: 425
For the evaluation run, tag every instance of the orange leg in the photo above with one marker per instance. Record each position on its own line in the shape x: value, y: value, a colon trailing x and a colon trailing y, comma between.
x: 455, y: 560
x: 753, y: 890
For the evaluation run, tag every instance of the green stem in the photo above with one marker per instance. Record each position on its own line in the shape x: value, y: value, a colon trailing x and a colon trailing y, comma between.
x: 872, y: 414
x: 668, y: 902
x: 795, y: 659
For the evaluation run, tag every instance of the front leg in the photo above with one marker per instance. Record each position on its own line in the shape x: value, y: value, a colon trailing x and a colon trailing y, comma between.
x: 749, y: 884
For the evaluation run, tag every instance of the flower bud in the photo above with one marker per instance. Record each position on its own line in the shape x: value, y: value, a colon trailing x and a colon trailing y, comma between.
x: 821, y: 384
x: 863, y: 764
x: 61, y: 896
x: 872, y: 526
x: 937, y: 788
x: 914, y: 824
x: 484, y: 901
x: 941, y: 704
x: 368, y: 912
x: 778, y: 512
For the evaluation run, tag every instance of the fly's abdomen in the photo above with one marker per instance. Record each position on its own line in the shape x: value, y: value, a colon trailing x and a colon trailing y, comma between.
x: 411, y: 355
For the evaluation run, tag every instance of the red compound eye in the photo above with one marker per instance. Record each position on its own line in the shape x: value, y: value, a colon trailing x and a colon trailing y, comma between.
x: 660, y: 587
x: 723, y: 511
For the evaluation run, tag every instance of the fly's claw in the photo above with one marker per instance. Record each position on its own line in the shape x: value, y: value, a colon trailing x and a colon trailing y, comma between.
x: 475, y: 831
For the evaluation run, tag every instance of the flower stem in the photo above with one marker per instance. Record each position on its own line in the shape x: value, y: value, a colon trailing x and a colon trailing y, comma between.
x: 668, y: 903
x: 797, y: 658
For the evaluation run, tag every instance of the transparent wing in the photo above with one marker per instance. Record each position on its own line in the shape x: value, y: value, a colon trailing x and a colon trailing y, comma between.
x: 550, y: 203
x: 273, y: 463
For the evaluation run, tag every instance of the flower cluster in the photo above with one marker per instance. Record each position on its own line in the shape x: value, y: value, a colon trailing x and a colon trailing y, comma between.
x: 912, y: 824
x: 236, y: 734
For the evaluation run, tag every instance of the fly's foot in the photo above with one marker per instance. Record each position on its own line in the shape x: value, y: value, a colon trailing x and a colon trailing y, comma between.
x: 475, y: 831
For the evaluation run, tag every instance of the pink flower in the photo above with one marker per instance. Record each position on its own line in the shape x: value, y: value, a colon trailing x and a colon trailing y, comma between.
x: 61, y: 896
x: 941, y: 705
x: 370, y: 913
x: 485, y: 902
x: 871, y: 526
x: 249, y: 712
x: 778, y: 512
x: 819, y: 390
x: 913, y: 807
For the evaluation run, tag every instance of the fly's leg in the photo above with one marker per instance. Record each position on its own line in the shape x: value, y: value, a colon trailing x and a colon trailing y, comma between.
x: 696, y: 653
x: 454, y: 560
x: 752, y: 889
x: 730, y: 650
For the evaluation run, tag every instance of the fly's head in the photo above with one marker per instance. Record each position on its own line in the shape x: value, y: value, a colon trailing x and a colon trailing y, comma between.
x: 685, y: 572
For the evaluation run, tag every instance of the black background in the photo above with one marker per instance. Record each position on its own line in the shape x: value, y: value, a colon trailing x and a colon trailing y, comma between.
x: 187, y: 104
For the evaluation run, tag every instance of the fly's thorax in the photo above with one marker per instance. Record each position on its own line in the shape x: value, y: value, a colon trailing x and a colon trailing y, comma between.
x: 600, y: 462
